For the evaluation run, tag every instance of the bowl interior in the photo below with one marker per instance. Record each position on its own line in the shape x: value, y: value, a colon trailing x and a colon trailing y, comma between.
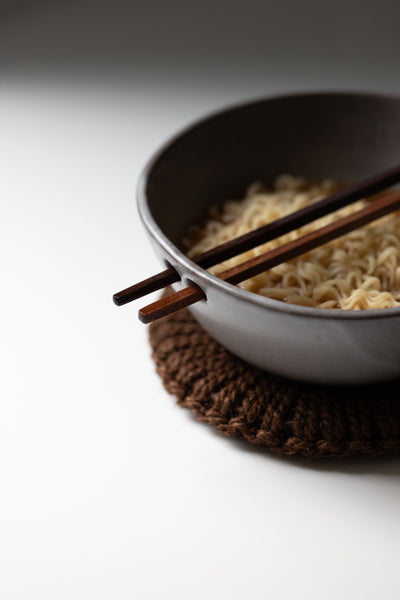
x: 346, y: 136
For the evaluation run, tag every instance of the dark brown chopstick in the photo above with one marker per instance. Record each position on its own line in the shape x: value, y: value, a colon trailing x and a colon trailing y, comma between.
x: 264, y: 234
x: 258, y: 264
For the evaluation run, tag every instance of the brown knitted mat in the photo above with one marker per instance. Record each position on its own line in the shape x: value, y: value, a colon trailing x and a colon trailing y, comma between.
x: 285, y: 416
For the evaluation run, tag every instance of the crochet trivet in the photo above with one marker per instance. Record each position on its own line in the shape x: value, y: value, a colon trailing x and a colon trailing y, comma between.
x: 287, y: 417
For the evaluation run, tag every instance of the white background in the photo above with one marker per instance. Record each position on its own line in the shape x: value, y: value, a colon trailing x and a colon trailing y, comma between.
x: 108, y: 490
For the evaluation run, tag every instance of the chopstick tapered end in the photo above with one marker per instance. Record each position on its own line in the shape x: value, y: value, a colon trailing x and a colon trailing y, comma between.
x: 170, y: 304
x: 147, y: 286
x: 118, y: 299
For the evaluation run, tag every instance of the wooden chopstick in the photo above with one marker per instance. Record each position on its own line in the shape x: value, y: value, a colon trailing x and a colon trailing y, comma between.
x: 266, y: 233
x: 189, y: 295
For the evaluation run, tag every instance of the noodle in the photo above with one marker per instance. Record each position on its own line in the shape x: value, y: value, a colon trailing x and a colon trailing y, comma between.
x: 358, y: 271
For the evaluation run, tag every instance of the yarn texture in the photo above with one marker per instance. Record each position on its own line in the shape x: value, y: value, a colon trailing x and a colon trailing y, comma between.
x: 285, y: 416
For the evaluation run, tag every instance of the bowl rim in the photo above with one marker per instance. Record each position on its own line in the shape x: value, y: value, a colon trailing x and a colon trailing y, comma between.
x: 195, y: 273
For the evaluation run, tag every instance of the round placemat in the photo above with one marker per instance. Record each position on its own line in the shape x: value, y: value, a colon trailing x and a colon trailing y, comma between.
x: 285, y: 416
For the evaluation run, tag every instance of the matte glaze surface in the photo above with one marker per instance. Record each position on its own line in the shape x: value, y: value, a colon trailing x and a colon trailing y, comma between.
x: 345, y: 136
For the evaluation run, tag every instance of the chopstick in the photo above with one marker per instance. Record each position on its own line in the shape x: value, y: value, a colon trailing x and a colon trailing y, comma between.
x: 266, y: 233
x: 379, y: 207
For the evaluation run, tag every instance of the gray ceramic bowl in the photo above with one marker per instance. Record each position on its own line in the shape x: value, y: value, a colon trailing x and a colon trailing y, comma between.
x: 342, y: 135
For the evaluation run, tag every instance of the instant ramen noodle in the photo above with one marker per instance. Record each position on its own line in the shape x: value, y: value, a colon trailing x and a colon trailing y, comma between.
x: 360, y: 270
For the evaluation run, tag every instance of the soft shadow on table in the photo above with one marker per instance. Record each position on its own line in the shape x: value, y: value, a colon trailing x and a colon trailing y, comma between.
x: 356, y: 465
x: 387, y: 465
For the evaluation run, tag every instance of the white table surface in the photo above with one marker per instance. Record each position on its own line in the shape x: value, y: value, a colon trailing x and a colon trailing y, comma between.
x: 108, y: 490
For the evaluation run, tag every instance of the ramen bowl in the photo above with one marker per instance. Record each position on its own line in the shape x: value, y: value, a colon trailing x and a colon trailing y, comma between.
x: 346, y: 136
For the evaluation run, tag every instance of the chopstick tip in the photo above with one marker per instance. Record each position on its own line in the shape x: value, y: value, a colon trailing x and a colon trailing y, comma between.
x: 118, y: 301
x: 144, y: 317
